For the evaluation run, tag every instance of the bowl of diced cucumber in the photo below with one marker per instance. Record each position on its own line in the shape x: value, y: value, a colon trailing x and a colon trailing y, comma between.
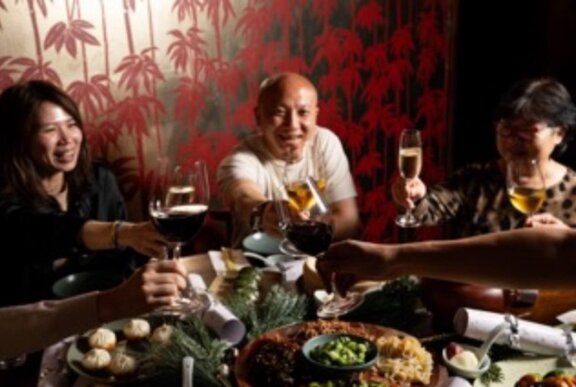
x: 340, y: 352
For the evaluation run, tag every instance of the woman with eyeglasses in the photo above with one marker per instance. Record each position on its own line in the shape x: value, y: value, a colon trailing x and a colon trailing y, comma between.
x: 534, y: 120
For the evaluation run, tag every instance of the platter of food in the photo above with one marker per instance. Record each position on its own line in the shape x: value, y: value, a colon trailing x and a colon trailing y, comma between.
x: 276, y: 358
x: 114, y: 353
x: 529, y: 367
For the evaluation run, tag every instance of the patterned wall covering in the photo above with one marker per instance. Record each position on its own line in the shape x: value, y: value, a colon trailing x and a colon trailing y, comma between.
x: 180, y: 76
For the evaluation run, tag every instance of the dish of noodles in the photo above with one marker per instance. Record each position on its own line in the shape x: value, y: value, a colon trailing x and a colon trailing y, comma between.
x: 275, y: 358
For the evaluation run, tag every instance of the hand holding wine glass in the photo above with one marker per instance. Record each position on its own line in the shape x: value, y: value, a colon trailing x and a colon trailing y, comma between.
x: 410, y: 164
x: 178, y: 206
x: 311, y: 232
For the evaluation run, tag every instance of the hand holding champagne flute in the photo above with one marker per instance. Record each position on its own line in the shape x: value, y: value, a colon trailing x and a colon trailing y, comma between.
x: 410, y: 164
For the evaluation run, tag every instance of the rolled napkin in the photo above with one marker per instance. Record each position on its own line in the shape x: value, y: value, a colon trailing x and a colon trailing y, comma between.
x: 217, y: 317
x: 533, y: 337
x: 224, y: 323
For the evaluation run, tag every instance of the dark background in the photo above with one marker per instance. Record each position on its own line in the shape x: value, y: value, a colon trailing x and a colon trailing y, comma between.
x: 497, y: 43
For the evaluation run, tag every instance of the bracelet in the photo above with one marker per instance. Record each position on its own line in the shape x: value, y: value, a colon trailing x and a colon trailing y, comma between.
x: 115, y: 234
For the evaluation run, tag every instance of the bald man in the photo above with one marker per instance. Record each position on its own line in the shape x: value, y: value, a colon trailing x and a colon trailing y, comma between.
x: 287, y: 139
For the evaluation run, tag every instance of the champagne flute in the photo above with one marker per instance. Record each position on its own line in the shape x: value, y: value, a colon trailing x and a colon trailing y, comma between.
x: 410, y: 164
x: 526, y: 189
x: 178, y: 207
x: 311, y: 232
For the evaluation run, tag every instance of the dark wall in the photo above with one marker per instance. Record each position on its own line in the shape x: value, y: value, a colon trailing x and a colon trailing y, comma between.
x: 497, y: 43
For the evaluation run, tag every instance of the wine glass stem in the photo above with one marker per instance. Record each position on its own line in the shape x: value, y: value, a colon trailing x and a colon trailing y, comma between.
x: 177, y: 251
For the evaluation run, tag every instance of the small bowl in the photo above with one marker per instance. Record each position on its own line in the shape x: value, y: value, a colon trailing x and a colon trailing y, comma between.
x: 465, y: 372
x: 85, y: 282
x: 310, y: 345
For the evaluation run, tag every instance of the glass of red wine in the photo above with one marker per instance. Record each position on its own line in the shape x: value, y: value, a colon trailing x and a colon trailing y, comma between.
x: 311, y: 231
x: 178, y: 206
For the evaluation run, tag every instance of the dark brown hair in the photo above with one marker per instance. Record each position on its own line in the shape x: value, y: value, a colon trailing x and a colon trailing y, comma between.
x: 540, y: 99
x: 19, y: 112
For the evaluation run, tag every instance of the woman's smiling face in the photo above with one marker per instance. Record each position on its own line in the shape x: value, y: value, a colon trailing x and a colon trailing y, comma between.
x: 57, y: 143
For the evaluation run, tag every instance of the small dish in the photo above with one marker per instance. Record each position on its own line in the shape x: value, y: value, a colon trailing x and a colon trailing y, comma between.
x: 466, y: 372
x: 276, y: 259
x: 261, y: 243
x: 85, y: 282
x: 312, y: 345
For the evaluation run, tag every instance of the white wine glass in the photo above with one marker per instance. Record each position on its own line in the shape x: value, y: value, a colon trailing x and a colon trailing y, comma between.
x: 525, y: 185
x: 409, y: 164
x: 178, y: 206
x: 526, y: 189
x: 311, y: 230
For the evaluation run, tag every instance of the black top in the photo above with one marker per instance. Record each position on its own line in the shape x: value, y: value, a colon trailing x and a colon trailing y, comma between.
x: 32, y: 240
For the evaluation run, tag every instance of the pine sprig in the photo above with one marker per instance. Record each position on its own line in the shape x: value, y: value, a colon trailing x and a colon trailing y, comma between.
x: 493, y: 375
x: 279, y: 307
x: 189, y: 338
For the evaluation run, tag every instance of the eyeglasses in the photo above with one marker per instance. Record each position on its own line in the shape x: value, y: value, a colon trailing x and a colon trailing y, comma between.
x: 523, y: 130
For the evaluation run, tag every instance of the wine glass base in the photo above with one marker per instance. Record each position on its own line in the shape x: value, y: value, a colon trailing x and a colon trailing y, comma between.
x: 340, y: 306
x: 407, y: 222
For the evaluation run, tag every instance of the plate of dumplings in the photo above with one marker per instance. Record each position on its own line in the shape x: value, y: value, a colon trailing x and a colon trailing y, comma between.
x: 114, y: 352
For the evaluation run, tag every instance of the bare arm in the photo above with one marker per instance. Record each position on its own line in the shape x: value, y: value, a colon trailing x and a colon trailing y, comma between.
x: 528, y: 258
x: 27, y: 328
x: 346, y: 220
x: 142, y: 237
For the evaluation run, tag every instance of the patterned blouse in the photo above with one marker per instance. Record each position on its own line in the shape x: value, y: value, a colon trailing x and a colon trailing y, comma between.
x: 474, y: 199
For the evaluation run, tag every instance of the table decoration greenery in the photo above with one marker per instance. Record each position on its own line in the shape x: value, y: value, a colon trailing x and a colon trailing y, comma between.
x: 393, y: 306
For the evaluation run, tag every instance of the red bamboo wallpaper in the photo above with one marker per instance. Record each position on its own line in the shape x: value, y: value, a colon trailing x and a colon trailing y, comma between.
x: 180, y: 77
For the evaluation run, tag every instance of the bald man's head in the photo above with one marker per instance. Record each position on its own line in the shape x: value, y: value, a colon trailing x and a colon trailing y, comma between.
x: 286, y: 114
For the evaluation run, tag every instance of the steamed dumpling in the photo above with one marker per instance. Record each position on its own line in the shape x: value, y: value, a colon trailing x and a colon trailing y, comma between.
x: 161, y: 335
x: 96, y: 359
x: 136, y: 329
x: 102, y: 338
x: 122, y: 364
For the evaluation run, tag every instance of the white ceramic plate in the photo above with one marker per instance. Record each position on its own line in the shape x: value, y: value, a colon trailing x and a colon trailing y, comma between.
x: 514, y: 369
x: 261, y: 243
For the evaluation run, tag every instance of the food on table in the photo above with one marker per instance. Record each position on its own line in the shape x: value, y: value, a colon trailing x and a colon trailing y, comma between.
x: 161, y: 335
x: 556, y: 378
x: 341, y: 351
x: 453, y: 349
x: 403, y: 359
x: 466, y: 360
x: 122, y: 364
x: 275, y: 362
x: 96, y: 359
x: 136, y: 329
x: 412, y: 365
x: 247, y: 284
x: 102, y: 338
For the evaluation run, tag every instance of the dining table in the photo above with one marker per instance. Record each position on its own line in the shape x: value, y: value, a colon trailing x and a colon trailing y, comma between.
x: 50, y: 369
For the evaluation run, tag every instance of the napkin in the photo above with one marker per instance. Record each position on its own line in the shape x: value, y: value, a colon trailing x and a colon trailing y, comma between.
x: 219, y: 264
x: 533, y: 337
x: 291, y: 271
x: 217, y: 317
x: 53, y: 371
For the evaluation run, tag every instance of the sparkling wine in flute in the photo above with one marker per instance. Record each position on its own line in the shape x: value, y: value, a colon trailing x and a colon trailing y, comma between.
x: 410, y: 160
x: 526, y: 200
